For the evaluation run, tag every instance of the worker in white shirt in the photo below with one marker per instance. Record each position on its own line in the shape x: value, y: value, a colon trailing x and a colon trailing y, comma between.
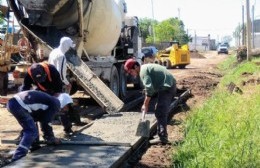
x: 58, y: 59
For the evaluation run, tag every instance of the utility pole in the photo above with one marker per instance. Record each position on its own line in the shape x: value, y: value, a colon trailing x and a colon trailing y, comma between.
x: 179, y: 13
x: 195, y: 36
x: 243, y: 26
x: 153, y: 23
x: 253, y: 26
x: 248, y: 25
x: 239, y: 35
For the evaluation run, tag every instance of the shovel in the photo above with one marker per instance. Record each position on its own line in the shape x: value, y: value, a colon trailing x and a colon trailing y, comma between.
x: 143, y: 128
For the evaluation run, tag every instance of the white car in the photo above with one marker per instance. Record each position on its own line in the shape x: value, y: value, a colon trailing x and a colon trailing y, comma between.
x: 222, y: 49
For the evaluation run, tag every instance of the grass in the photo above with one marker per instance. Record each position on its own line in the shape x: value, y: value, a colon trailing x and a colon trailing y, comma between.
x: 225, y: 131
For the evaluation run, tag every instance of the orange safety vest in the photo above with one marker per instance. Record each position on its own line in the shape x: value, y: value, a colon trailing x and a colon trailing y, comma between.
x: 46, y: 69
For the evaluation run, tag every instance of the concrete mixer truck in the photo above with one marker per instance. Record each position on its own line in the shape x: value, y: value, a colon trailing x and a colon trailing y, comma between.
x: 104, y: 35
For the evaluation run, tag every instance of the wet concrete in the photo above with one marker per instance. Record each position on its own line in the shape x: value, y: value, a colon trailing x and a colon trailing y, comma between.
x: 116, y: 128
x: 94, y: 86
x: 120, y: 127
x: 73, y: 156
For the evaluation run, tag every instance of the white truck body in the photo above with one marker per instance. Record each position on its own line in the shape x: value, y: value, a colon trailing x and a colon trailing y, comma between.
x: 104, y: 36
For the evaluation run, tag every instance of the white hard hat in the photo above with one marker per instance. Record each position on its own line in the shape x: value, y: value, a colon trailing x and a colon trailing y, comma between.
x: 64, y: 99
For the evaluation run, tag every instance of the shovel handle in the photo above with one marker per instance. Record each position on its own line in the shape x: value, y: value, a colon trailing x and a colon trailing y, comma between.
x: 143, y: 115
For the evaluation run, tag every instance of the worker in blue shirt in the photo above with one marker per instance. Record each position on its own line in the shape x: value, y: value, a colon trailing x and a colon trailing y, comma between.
x: 29, y: 107
x: 47, y: 79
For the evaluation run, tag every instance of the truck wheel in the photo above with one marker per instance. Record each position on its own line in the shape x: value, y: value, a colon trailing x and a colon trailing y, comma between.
x: 182, y: 66
x: 114, y: 81
x: 122, y: 82
x: 167, y: 64
x: 157, y: 61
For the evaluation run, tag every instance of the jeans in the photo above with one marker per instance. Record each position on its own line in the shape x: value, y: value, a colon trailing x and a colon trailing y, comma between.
x: 29, y: 130
x: 164, y: 99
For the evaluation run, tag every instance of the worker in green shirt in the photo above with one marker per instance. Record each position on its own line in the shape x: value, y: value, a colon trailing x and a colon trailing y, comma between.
x: 160, y: 84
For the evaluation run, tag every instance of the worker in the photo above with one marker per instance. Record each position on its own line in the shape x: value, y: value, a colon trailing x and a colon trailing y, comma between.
x: 58, y: 59
x: 44, y: 76
x: 25, y: 47
x: 47, y: 79
x: 33, y: 106
x: 157, y: 80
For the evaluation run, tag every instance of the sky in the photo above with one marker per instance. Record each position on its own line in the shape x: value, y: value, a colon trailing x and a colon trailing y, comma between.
x: 215, y: 17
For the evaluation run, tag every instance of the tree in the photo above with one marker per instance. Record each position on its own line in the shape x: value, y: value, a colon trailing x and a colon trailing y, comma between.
x: 167, y: 30
x: 238, y: 33
x: 146, y: 26
x: 171, y: 29
x: 226, y: 39
x: 3, y: 12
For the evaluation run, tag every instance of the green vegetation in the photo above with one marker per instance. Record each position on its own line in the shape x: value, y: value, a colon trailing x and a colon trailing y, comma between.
x: 225, y: 132
x: 165, y: 31
x: 3, y: 12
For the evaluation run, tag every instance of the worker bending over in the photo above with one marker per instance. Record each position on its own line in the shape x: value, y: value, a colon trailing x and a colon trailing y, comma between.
x: 33, y: 106
x: 44, y: 76
x: 158, y: 84
x: 47, y: 79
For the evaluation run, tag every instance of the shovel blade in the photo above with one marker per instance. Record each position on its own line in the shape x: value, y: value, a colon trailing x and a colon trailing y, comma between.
x: 143, y: 129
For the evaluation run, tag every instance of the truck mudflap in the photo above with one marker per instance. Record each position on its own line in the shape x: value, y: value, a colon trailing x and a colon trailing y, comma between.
x: 94, y: 86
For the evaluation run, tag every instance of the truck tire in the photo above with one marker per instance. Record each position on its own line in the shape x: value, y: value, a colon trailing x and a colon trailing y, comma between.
x: 182, y: 66
x: 114, y: 80
x: 122, y: 82
x: 157, y: 61
x: 167, y: 64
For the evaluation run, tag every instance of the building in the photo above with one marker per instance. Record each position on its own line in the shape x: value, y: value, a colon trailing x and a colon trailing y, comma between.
x: 202, y: 43
x: 256, y: 33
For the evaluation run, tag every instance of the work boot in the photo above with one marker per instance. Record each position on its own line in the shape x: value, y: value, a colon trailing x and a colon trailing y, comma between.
x: 68, y: 133
x: 159, y: 140
x: 80, y: 123
x: 19, y: 153
x: 35, y: 147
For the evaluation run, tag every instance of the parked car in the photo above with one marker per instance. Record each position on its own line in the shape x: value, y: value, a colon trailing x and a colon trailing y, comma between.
x: 149, y: 52
x: 223, y: 49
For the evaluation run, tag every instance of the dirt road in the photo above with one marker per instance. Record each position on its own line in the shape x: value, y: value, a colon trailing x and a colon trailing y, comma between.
x: 201, y: 76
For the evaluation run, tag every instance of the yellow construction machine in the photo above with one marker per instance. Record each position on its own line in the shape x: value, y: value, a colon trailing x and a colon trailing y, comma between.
x: 174, y: 56
x: 6, y: 49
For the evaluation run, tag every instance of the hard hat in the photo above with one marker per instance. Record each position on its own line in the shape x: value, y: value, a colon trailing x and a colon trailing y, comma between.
x: 64, y: 99
x: 129, y: 64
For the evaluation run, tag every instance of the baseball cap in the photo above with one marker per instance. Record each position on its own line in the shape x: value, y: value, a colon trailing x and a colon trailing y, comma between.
x: 38, y: 73
x: 129, y: 64
x: 64, y: 99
